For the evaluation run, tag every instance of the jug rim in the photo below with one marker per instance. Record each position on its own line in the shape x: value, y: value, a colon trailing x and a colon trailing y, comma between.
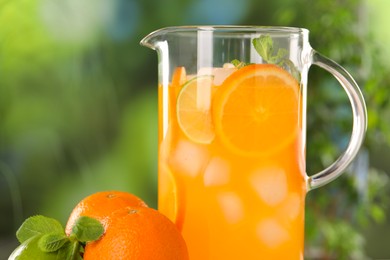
x: 238, y: 28
x: 220, y: 29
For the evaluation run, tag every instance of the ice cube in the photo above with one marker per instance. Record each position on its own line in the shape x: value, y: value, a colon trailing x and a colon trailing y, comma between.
x: 291, y: 207
x: 272, y: 233
x: 271, y: 184
x: 231, y: 206
x: 189, y: 158
x: 206, y: 71
x: 217, y: 172
x: 228, y: 66
x: 220, y: 74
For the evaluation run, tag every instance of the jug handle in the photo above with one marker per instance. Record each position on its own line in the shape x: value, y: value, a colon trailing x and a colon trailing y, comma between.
x: 359, y: 121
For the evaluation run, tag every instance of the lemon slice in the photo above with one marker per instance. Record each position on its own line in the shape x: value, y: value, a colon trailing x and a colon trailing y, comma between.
x: 193, y: 109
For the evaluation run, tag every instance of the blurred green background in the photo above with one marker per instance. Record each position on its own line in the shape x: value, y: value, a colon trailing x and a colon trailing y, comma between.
x: 78, y: 108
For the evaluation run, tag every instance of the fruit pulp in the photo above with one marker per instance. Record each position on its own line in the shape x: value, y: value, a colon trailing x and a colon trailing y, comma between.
x: 239, y: 193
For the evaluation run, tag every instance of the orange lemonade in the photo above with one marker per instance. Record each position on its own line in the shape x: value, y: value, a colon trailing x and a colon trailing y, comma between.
x: 231, y: 161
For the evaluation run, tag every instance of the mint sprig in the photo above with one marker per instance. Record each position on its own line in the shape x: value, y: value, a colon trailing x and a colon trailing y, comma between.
x: 238, y: 64
x: 264, y: 46
x: 44, y: 238
x: 52, y: 242
x: 37, y: 225
x: 70, y: 251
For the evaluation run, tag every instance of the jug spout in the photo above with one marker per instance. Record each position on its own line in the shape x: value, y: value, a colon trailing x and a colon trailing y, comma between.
x: 176, y: 35
x: 153, y: 39
x: 149, y: 41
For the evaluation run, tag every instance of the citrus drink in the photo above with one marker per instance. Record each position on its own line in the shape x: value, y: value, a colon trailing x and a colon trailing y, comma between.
x: 231, y: 161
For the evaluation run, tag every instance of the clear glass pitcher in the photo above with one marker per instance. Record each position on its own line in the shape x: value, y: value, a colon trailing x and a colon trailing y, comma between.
x: 232, y: 136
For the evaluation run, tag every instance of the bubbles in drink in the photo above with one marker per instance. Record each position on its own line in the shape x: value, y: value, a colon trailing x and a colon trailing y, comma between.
x: 271, y: 184
x: 231, y: 206
x: 189, y: 158
x: 272, y: 233
x: 217, y: 172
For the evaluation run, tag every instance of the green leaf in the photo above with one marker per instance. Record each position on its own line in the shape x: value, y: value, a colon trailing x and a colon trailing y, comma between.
x: 377, y: 213
x: 239, y: 64
x: 38, y: 225
x: 87, y: 229
x: 235, y: 62
x: 71, y: 251
x: 280, y: 57
x: 52, y: 242
x: 293, y: 69
x: 264, y: 46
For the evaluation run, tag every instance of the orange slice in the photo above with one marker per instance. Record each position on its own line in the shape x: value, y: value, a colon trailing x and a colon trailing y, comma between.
x: 170, y: 201
x: 193, y: 108
x: 256, y: 110
x: 179, y: 76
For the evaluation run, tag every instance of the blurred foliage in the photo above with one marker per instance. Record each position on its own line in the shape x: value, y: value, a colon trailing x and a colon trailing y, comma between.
x: 345, y: 207
x: 78, y: 107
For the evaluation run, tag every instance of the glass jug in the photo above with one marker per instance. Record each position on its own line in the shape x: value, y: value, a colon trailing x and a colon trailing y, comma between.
x: 232, y: 136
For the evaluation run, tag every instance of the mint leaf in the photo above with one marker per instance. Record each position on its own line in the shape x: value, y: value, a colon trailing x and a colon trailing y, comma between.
x: 38, y: 225
x: 87, y: 229
x: 264, y: 46
x: 238, y: 64
x: 71, y: 251
x: 279, y: 57
x: 235, y: 62
x: 293, y: 69
x: 52, y: 242
x: 44, y: 238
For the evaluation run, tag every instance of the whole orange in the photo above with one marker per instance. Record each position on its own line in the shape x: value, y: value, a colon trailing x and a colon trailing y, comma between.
x: 101, y: 204
x: 138, y: 233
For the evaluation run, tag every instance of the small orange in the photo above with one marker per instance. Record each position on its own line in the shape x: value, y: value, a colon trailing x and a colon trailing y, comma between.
x: 101, y: 204
x: 138, y: 233
x: 256, y: 110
